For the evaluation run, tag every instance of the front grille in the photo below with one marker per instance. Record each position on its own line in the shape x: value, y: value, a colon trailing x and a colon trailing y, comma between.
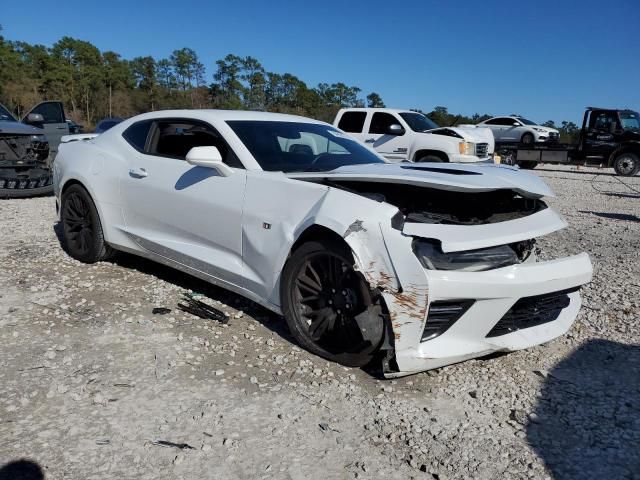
x: 554, y: 137
x: 482, y: 149
x: 532, y: 311
x: 443, y: 314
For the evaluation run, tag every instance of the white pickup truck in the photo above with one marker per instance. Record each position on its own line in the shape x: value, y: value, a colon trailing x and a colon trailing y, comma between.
x: 405, y: 135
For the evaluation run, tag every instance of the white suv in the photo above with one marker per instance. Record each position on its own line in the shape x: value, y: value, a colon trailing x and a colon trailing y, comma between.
x: 519, y: 129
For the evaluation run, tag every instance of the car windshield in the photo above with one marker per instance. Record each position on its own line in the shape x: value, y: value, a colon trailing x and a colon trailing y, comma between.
x: 300, y: 147
x: 630, y: 120
x: 418, y: 122
x: 6, y: 115
x: 526, y: 121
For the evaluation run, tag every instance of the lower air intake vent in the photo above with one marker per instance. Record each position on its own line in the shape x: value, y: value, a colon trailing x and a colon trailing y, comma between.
x: 532, y: 311
x: 443, y: 314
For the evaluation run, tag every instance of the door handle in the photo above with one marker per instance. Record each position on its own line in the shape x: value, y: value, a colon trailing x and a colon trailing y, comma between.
x: 370, y: 140
x: 138, y: 172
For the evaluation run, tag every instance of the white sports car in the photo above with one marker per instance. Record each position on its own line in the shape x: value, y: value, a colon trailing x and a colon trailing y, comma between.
x: 413, y: 265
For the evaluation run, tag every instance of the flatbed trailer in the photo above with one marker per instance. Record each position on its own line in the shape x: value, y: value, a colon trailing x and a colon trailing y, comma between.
x: 608, y: 137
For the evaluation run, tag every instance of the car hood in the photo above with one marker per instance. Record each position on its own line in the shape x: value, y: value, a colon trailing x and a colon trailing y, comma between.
x: 444, y: 176
x: 18, y: 128
x: 469, y: 133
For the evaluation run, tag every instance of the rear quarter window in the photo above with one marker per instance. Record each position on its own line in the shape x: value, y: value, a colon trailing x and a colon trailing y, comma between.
x: 136, y: 134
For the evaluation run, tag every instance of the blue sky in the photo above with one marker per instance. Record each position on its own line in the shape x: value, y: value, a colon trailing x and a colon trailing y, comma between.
x: 543, y: 59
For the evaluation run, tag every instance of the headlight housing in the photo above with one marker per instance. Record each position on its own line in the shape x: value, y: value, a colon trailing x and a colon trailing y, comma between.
x: 541, y: 130
x: 432, y: 257
x: 467, y: 148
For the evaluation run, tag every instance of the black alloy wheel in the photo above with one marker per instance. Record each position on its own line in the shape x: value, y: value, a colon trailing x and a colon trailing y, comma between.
x: 81, y: 227
x: 329, y: 307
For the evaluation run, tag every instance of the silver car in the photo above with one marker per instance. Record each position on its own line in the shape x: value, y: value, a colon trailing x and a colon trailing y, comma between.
x: 519, y: 129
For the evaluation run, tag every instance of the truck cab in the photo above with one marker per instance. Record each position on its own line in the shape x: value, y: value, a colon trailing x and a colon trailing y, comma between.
x: 406, y: 135
x: 612, y: 136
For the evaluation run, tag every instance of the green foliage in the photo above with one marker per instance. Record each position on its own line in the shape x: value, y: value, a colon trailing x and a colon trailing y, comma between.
x: 94, y: 84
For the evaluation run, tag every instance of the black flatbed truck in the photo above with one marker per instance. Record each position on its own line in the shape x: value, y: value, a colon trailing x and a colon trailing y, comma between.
x: 610, y: 137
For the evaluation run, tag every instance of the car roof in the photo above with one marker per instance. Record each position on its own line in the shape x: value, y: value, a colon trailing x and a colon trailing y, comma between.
x: 224, y: 115
x: 371, y: 109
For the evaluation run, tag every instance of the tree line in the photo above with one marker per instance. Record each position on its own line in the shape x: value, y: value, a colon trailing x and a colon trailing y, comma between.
x: 94, y: 84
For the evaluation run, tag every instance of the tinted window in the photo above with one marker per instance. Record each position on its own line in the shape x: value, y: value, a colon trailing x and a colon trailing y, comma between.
x: 352, y: 122
x: 6, y: 115
x: 603, y: 120
x: 380, y: 122
x: 51, y: 112
x: 137, y: 133
x: 418, y: 122
x: 300, y: 147
x: 526, y: 121
x: 500, y: 121
x: 174, y: 139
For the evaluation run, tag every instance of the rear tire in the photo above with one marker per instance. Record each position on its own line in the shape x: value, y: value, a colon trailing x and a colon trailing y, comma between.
x: 81, y: 227
x: 627, y: 164
x: 528, y: 138
x: 322, y: 295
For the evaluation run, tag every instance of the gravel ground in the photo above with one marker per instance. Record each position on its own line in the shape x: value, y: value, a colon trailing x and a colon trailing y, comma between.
x: 92, y: 383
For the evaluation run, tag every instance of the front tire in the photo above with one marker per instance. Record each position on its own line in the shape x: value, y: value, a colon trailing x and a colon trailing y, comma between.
x: 329, y: 307
x: 430, y: 158
x: 81, y: 227
x: 627, y: 164
x: 528, y: 138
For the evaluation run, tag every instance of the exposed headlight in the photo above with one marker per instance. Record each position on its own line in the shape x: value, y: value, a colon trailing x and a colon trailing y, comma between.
x: 541, y: 130
x: 433, y: 258
x: 467, y: 148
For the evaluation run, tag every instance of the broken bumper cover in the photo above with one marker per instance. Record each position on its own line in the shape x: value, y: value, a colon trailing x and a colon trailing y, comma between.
x: 494, y: 293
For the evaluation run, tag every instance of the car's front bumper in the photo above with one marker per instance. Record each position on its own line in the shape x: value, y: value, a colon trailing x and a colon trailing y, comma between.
x: 494, y: 292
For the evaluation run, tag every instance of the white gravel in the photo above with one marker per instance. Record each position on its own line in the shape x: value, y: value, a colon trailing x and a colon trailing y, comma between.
x: 92, y: 385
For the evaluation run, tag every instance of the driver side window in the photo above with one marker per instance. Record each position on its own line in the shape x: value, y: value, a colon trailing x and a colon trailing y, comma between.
x: 381, y: 121
x: 173, y: 138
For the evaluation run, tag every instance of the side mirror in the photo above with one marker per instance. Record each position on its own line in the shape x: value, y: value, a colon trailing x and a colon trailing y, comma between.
x: 34, y: 118
x: 208, y: 157
x: 396, y: 129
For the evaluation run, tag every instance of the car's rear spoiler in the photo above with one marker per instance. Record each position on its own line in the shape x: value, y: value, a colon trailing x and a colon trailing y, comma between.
x: 78, y: 136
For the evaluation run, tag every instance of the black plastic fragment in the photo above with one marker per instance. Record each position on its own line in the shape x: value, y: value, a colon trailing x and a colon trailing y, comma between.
x: 202, y: 310
x: 166, y: 443
x: 160, y: 311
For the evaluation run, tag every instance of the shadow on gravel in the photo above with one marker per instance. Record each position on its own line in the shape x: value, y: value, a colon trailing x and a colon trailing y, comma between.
x: 587, y: 421
x: 21, y: 470
x: 614, y: 216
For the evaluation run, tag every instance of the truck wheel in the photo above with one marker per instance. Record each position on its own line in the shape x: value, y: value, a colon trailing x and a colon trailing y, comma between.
x: 627, y: 164
x: 527, y: 138
x: 429, y: 158
x: 527, y: 164
x: 329, y: 307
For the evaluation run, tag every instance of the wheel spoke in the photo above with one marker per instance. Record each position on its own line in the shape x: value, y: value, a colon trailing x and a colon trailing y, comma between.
x: 308, y: 284
x: 322, y: 323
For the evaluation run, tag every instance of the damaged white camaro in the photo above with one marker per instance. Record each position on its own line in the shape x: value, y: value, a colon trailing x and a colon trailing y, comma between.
x: 413, y: 265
